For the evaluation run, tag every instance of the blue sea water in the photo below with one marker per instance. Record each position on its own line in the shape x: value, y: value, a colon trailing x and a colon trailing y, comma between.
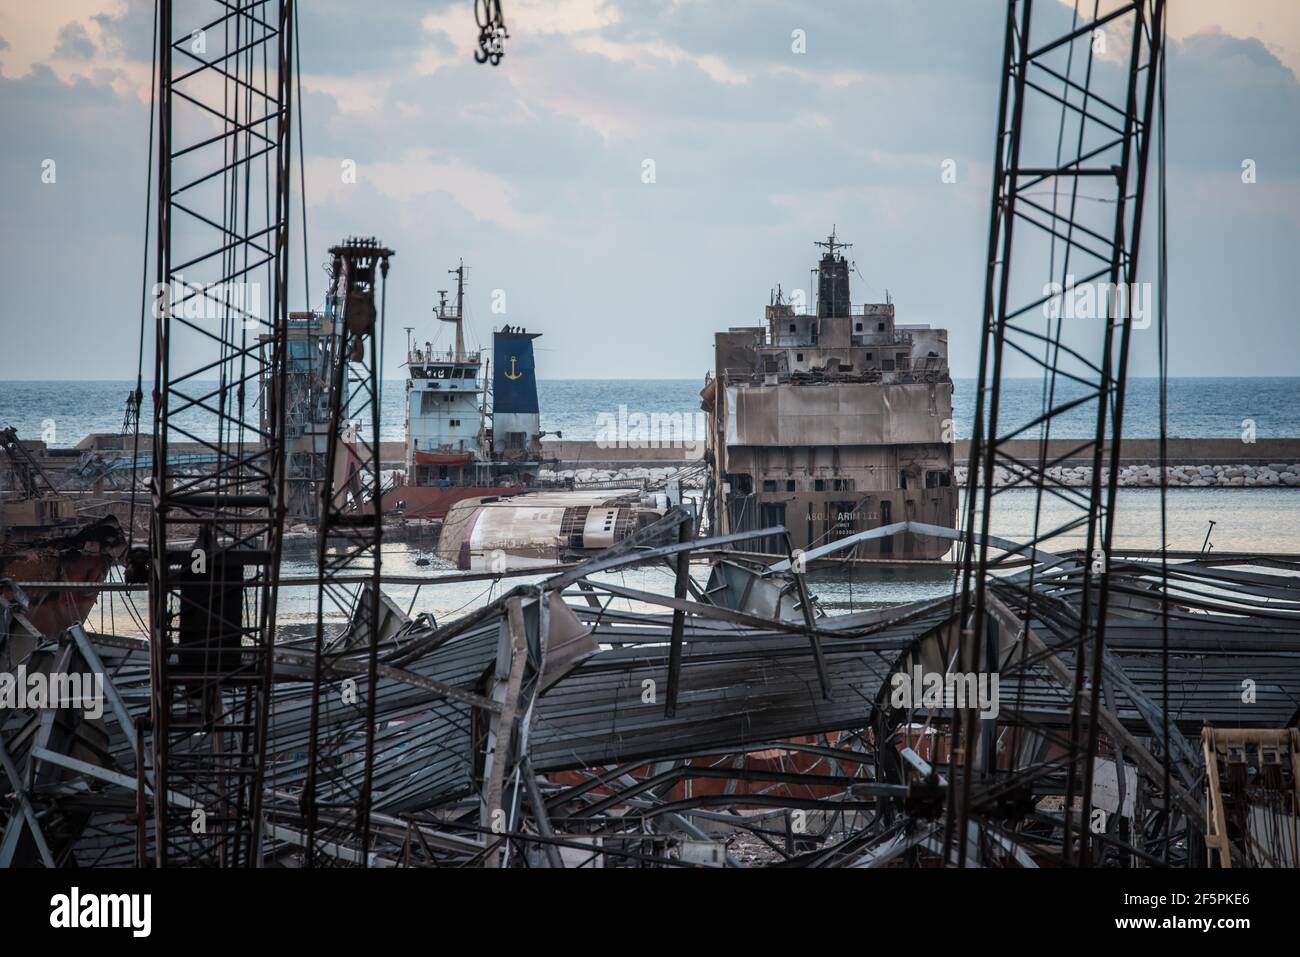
x: 1198, y: 407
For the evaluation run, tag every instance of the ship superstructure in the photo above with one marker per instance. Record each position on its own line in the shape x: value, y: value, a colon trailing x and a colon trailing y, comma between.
x: 832, y: 422
x: 444, y: 404
x: 473, y: 426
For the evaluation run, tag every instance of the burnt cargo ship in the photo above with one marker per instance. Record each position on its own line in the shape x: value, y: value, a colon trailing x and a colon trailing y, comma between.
x: 464, y: 440
x: 832, y: 422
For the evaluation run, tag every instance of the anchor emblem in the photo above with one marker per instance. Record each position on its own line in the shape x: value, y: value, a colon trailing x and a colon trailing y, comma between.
x: 513, y: 374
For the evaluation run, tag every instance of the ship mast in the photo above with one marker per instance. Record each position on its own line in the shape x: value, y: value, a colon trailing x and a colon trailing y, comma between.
x: 459, y: 273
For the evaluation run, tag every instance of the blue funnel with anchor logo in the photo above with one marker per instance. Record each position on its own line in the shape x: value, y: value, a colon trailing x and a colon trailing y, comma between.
x: 514, y: 380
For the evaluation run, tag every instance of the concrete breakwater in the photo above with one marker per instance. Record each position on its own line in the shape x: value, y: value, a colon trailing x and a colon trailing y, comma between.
x: 1193, y: 463
x: 635, y: 476
x: 1277, y: 474
x: 1274, y: 475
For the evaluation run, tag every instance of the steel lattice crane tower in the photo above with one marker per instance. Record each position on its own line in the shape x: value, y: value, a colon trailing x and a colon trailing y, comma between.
x: 1074, y: 133
x: 220, y: 308
x: 341, y: 744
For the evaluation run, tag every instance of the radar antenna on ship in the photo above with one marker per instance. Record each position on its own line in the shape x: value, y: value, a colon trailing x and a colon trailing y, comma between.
x: 458, y: 315
x: 831, y: 243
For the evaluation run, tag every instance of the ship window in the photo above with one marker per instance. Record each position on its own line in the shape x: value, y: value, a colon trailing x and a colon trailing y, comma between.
x: 938, y: 478
x: 858, y: 327
x: 902, y: 479
x: 793, y: 327
x: 798, y: 357
x: 887, y: 365
x: 454, y: 422
x: 880, y: 327
x: 769, y: 485
x: 870, y: 356
x: 789, y: 485
x: 819, y: 485
x: 844, y: 485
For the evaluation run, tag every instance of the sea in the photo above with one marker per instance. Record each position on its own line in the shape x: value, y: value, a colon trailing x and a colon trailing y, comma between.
x: 64, y: 412
x: 1244, y: 519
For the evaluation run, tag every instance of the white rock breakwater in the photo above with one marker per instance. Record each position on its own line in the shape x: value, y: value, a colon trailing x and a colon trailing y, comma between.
x: 635, y: 477
x: 1273, y: 475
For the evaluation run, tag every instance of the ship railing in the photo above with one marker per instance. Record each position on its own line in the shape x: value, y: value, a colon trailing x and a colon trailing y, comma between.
x: 870, y: 310
x: 918, y: 374
x: 420, y: 357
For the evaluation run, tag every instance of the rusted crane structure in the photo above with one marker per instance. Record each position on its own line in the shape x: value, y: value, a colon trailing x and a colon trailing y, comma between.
x: 220, y: 299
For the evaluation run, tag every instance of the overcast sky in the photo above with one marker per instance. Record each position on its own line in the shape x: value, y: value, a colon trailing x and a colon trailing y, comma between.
x: 532, y: 171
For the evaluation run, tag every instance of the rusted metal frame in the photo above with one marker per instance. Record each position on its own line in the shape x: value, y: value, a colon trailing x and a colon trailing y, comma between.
x: 117, y: 778
x: 220, y: 116
x: 27, y: 814
x: 810, y: 623
x: 206, y: 66
x: 1122, y: 268
x: 247, y: 128
x: 243, y: 446
x: 338, y: 666
x: 243, y: 831
x: 684, y: 772
x: 244, y: 12
x: 355, y: 368
x: 529, y: 693
x: 1006, y: 160
x: 681, y: 820
x: 718, y: 613
x: 1074, y: 227
x: 777, y: 801
x: 590, y: 595
x: 605, y: 562
x: 538, y: 804
x: 1056, y: 372
x: 506, y: 686
x: 1066, y: 81
x: 623, y: 770
x: 557, y: 841
x: 1150, y: 766
x: 1084, y: 30
x: 116, y: 704
x: 685, y: 534
x: 141, y: 791
x: 1065, y: 239
x: 219, y: 171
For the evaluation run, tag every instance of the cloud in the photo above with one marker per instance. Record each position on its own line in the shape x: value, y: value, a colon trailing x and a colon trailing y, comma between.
x: 532, y: 170
x: 74, y: 43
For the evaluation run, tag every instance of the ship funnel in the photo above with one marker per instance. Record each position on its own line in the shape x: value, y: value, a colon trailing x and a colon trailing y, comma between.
x: 516, y: 424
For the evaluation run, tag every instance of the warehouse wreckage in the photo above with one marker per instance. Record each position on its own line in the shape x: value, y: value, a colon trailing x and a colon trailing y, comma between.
x: 734, y: 724
x: 1147, y: 703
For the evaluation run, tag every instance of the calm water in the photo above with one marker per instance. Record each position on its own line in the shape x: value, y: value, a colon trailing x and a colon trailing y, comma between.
x: 1261, y: 519
x: 1247, y: 519
x: 1198, y: 408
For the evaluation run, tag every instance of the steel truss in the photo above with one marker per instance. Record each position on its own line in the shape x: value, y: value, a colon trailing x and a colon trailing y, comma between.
x: 341, y: 759
x: 222, y: 259
x: 1074, y: 125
